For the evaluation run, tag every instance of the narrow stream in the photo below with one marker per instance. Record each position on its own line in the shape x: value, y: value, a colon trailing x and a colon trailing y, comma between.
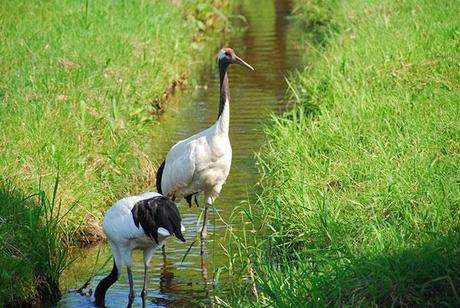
x: 269, y: 44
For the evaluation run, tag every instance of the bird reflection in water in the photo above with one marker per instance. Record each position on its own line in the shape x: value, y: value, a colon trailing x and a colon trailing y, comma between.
x: 170, y: 286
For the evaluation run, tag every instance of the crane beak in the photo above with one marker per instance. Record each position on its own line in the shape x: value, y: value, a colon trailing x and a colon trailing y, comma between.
x: 243, y: 63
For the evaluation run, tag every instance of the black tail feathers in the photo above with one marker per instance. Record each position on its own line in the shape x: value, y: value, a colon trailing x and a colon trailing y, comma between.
x: 189, y: 199
x: 157, y: 212
x: 159, y: 176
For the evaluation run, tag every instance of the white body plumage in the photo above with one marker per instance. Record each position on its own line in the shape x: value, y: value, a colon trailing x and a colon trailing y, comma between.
x: 124, y: 236
x: 137, y: 222
x: 200, y: 163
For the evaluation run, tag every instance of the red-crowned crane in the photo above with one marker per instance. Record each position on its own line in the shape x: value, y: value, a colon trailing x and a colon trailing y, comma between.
x: 201, y: 163
x: 137, y: 222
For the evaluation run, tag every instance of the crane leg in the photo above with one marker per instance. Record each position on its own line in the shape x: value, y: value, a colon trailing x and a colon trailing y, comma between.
x: 204, y: 229
x: 144, y: 290
x: 204, y: 273
x: 131, y: 288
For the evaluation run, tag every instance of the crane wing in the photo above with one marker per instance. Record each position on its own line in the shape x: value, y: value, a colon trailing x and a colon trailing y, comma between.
x: 196, y: 164
x: 179, y: 168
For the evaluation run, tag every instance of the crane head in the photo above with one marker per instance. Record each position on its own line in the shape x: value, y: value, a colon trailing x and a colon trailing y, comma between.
x: 227, y: 56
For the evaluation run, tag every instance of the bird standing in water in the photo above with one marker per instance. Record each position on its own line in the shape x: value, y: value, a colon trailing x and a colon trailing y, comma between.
x: 201, y: 163
x: 137, y: 222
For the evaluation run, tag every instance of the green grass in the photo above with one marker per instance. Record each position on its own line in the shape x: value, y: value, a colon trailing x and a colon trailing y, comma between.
x: 33, y: 246
x: 80, y: 86
x: 79, y: 82
x: 361, y: 196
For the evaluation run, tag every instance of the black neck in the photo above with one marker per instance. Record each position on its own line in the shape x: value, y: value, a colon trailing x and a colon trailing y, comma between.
x: 104, y: 285
x: 224, y: 88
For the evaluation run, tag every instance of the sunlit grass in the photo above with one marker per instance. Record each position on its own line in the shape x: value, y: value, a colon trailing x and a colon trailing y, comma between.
x: 78, y: 96
x: 79, y: 81
x: 361, y: 194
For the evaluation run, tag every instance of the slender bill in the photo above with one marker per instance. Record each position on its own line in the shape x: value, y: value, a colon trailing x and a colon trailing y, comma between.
x: 242, y: 62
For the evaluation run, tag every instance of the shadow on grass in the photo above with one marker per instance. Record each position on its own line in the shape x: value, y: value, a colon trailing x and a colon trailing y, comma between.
x: 32, y: 249
x: 428, y: 275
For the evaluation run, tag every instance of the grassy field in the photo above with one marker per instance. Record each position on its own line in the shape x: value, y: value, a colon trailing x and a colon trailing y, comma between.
x: 361, y: 184
x: 81, y: 84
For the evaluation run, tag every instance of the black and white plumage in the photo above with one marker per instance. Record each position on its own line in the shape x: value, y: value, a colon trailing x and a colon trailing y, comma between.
x: 137, y: 222
x: 201, y: 163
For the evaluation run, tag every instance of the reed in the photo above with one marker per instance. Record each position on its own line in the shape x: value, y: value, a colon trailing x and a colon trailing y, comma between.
x: 34, y: 246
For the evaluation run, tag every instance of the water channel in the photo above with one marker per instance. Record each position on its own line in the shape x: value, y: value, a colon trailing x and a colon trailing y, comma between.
x: 270, y: 45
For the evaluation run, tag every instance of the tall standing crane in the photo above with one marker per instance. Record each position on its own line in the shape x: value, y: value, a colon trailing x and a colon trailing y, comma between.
x: 201, y: 163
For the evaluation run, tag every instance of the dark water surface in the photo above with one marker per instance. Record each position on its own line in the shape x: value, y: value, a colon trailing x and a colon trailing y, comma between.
x: 269, y: 44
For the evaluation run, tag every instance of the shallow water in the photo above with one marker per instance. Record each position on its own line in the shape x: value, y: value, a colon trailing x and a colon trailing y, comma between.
x: 269, y: 44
